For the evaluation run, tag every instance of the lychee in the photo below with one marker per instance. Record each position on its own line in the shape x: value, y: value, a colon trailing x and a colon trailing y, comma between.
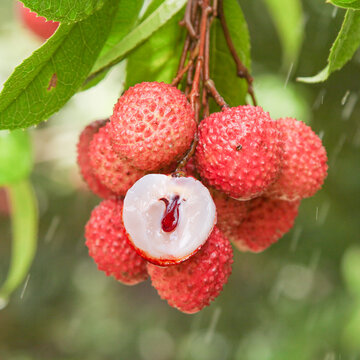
x: 191, y: 285
x: 304, y: 167
x: 267, y: 221
x: 108, y: 244
x: 115, y: 173
x: 86, y: 170
x: 230, y: 213
x: 239, y: 151
x: 168, y: 219
x: 37, y: 24
x: 152, y: 125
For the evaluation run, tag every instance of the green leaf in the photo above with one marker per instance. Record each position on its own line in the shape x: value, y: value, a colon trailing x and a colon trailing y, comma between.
x: 222, y: 66
x: 24, y: 232
x: 65, y: 11
x: 45, y: 81
x: 346, y: 4
x: 157, y: 59
x: 127, y: 16
x: 15, y: 156
x: 140, y: 33
x: 343, y: 49
x: 288, y: 18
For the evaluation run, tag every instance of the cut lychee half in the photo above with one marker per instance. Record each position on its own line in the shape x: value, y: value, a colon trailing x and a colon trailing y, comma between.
x: 167, y: 218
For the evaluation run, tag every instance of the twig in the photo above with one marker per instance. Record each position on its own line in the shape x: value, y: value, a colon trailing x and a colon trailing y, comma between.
x: 242, y: 70
x: 187, y: 19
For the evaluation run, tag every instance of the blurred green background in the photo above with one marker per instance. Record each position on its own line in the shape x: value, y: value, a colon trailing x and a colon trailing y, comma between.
x: 298, y: 300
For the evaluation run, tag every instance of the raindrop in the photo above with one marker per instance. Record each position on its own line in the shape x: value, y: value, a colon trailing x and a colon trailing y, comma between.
x: 314, y: 260
x: 295, y: 239
x: 337, y: 149
x: 335, y: 10
x: 321, y: 134
x: 330, y: 356
x: 24, y: 287
x: 319, y: 99
x: 288, y: 74
x: 317, y: 213
x: 349, y: 106
x: 345, y: 97
x: 213, y: 323
x: 52, y: 228
x: 324, y: 211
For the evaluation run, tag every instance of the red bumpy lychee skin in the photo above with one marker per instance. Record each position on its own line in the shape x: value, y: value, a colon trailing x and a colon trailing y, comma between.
x: 230, y: 213
x: 108, y: 244
x: 37, y: 24
x: 239, y: 151
x: 87, y: 172
x: 191, y: 285
x: 152, y: 125
x: 267, y: 221
x: 304, y: 166
x: 113, y: 172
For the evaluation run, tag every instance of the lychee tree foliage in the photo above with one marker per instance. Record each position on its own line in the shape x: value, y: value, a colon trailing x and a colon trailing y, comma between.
x: 207, y: 57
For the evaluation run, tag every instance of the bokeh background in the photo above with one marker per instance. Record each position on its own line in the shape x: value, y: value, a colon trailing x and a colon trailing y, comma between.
x: 298, y: 300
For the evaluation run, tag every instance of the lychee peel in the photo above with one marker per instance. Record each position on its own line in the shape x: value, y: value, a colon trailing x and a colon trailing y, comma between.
x: 115, y: 173
x: 267, y: 221
x: 304, y: 166
x: 193, y: 284
x: 152, y: 125
x: 86, y: 170
x: 239, y: 151
x: 230, y: 213
x: 108, y: 244
x: 168, y: 219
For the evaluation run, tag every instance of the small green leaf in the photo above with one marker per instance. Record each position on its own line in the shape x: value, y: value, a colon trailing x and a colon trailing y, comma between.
x: 343, y: 49
x: 140, y: 33
x: 15, y: 156
x: 222, y: 66
x: 65, y: 11
x: 46, y: 80
x: 346, y: 4
x: 157, y: 59
x: 24, y: 231
x: 288, y: 18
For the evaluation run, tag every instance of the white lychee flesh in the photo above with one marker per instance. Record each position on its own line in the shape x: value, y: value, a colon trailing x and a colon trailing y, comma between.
x: 144, y: 210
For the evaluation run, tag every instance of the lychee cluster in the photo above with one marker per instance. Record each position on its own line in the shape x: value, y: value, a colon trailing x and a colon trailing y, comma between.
x: 244, y: 184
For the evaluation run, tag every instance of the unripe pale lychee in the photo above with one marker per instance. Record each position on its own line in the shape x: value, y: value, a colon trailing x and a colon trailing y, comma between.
x: 191, y: 285
x: 152, y: 125
x: 86, y: 170
x: 108, y: 244
x: 239, y: 151
x: 230, y: 213
x: 304, y: 167
x: 113, y: 172
x: 37, y: 24
x: 168, y: 219
x: 267, y: 221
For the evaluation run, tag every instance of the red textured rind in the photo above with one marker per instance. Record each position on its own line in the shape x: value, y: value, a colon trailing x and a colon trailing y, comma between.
x: 239, y: 151
x: 230, y: 213
x: 108, y: 245
x: 304, y: 166
x: 152, y: 125
x: 113, y: 172
x: 267, y: 221
x: 193, y: 284
x: 37, y: 24
x: 86, y: 170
